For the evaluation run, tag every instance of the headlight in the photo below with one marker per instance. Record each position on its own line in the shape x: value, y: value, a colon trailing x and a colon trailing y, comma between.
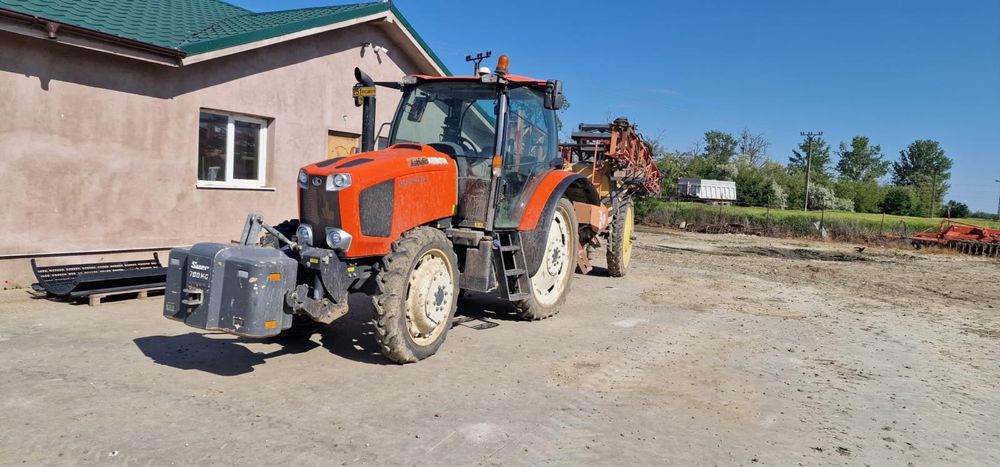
x: 338, y: 239
x: 337, y: 182
x: 305, y: 234
x: 303, y: 179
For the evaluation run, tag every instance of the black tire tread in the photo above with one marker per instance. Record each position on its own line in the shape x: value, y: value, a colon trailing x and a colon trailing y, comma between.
x: 528, y: 309
x: 616, y: 253
x: 392, y: 281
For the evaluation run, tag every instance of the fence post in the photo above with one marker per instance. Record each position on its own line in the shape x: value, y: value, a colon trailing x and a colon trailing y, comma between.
x: 822, y: 218
x: 767, y: 219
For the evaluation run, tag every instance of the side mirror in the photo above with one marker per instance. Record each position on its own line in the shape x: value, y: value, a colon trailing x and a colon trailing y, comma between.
x: 416, y: 112
x: 554, y: 99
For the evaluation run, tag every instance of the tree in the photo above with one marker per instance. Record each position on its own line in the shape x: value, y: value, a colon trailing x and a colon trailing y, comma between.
x: 955, y: 209
x: 898, y: 200
x: 924, y: 166
x: 715, y: 160
x: 861, y: 162
x: 752, y: 148
x: 720, y: 147
x: 761, y: 185
x: 820, y: 160
x: 672, y: 165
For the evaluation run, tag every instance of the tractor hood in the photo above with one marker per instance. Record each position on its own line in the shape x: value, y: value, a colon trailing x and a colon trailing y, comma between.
x: 375, y: 196
x: 398, y: 159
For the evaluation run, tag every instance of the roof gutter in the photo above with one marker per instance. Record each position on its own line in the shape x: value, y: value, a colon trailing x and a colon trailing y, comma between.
x: 54, y: 28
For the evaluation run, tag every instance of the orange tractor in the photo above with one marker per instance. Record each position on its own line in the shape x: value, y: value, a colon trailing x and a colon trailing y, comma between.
x: 472, y: 194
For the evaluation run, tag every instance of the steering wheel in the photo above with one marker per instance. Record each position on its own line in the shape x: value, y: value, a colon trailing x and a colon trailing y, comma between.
x: 467, y: 144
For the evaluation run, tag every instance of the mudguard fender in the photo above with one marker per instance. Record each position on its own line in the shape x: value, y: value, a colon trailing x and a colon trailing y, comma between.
x: 537, y: 215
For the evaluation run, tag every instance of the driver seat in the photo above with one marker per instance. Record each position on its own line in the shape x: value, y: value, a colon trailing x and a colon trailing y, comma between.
x: 452, y: 150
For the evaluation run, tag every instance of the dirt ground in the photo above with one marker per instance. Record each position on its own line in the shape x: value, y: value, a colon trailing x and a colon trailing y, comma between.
x: 714, y: 350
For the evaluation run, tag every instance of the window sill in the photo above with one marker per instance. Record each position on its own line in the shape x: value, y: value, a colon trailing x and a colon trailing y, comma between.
x: 224, y: 186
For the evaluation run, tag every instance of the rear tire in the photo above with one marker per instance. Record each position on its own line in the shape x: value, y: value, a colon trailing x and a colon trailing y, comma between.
x: 620, y: 243
x: 550, y: 284
x: 418, y: 295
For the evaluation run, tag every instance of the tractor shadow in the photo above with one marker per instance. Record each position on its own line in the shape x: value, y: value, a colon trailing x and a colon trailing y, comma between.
x: 216, y: 353
x: 351, y: 337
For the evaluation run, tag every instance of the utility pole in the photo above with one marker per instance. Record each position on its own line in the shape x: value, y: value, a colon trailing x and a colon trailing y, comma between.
x: 809, y: 157
x: 998, y: 203
x: 933, y: 192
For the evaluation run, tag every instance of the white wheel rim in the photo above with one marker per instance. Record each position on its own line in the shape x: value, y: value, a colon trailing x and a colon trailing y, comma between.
x: 548, y: 283
x: 430, y: 295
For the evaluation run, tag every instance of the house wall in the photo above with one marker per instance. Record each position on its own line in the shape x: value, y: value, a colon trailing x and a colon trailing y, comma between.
x: 99, y: 152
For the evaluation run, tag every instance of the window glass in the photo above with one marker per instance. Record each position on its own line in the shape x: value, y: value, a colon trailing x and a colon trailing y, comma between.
x: 531, y: 147
x: 231, y: 150
x: 212, y: 147
x: 459, y: 113
x: 246, y: 150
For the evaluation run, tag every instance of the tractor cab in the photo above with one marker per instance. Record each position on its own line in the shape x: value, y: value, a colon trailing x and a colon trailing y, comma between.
x: 500, y: 129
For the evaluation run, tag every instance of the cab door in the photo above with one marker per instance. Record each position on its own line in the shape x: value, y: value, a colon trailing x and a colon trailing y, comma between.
x: 530, y: 149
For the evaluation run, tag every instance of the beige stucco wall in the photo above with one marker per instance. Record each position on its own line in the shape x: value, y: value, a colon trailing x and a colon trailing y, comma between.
x: 99, y: 152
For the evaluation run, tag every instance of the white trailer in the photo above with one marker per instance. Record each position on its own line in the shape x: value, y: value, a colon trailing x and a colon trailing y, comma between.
x: 714, y: 191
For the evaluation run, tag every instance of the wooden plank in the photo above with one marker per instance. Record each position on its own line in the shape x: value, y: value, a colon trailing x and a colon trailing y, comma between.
x: 97, y: 299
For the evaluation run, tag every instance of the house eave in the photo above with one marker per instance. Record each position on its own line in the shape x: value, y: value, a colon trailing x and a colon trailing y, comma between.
x: 41, y: 28
x: 384, y: 19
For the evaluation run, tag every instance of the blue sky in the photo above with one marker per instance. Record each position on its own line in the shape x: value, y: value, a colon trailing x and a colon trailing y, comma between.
x: 894, y: 70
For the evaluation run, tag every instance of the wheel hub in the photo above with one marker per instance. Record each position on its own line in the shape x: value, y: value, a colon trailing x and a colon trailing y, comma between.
x: 549, y: 281
x: 431, y: 293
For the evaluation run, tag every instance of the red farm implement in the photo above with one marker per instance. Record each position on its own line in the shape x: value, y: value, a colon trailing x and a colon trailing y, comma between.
x: 960, y: 236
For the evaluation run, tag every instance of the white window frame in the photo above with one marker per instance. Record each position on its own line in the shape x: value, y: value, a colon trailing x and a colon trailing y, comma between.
x: 230, y: 182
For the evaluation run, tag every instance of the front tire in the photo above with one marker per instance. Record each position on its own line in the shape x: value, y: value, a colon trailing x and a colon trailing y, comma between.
x: 620, y: 244
x: 550, y: 284
x: 418, y: 295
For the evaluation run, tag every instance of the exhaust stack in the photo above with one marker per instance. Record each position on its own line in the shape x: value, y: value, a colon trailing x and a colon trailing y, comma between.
x: 364, y: 96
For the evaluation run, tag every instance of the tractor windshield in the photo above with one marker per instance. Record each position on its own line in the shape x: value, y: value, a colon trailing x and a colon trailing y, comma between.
x: 456, y: 117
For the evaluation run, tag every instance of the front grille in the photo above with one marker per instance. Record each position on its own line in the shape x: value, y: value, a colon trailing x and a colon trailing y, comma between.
x: 320, y: 209
x: 376, y: 208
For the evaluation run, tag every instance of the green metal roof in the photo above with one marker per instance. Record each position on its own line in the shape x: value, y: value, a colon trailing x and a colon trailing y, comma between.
x: 197, y: 26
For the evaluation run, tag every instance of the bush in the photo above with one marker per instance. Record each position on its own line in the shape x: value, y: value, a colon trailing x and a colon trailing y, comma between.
x: 866, y: 196
x: 779, y: 198
x: 983, y: 215
x: 821, y: 197
x: 843, y: 204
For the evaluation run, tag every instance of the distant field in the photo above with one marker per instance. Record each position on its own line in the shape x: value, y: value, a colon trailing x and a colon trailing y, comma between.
x: 849, y: 226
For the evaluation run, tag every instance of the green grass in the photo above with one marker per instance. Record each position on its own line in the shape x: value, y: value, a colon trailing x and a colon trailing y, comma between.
x: 840, y: 225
